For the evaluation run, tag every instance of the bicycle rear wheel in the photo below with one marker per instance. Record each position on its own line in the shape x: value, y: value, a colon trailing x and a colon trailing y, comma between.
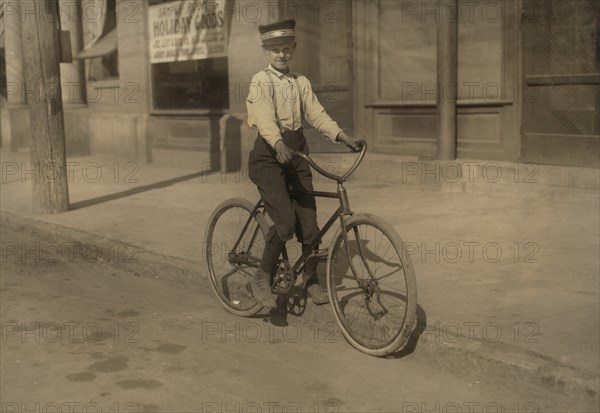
x: 229, y: 269
x: 375, y: 307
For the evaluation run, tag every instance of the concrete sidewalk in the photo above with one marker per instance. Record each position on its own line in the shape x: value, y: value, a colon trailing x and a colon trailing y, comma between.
x: 506, y: 283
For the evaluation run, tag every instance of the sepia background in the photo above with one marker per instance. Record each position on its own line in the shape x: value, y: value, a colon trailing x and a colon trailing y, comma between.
x: 528, y: 78
x: 482, y: 119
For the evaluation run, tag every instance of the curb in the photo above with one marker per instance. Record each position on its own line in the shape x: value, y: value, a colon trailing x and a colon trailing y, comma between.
x: 461, y: 355
x: 477, y: 357
x: 154, y: 264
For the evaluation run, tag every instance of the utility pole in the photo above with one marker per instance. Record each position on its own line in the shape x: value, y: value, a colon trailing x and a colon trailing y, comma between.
x: 40, y: 31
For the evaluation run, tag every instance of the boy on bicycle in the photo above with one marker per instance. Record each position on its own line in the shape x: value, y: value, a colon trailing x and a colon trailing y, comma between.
x: 285, y: 98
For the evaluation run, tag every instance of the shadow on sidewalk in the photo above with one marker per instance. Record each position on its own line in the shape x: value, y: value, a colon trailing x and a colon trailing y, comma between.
x: 137, y: 190
x: 415, y: 336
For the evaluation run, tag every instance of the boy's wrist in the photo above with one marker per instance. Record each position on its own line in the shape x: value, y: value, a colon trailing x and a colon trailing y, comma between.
x: 341, y: 137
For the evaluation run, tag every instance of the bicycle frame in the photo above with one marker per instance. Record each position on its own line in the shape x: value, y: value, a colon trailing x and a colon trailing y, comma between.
x: 299, y: 265
x: 341, y: 213
x: 368, y: 274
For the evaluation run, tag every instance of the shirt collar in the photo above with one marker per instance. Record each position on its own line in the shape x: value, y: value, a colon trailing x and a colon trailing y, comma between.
x: 278, y: 73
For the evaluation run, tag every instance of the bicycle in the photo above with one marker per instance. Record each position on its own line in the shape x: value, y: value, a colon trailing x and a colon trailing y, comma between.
x: 369, y: 272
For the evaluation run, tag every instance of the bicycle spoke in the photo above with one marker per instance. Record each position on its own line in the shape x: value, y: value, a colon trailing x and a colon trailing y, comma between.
x: 372, y: 303
x: 229, y: 269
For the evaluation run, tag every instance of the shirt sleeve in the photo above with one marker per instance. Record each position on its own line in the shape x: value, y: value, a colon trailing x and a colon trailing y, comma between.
x: 315, y: 113
x: 261, y: 110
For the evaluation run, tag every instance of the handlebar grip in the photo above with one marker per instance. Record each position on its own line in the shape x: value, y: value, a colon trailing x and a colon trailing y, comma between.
x: 361, y: 144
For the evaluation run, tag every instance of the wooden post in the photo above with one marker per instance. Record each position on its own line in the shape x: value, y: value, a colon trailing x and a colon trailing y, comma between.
x: 40, y: 33
x: 447, y: 62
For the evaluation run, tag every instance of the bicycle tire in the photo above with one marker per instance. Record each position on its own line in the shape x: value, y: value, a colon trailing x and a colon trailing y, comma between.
x: 346, y: 295
x: 230, y: 282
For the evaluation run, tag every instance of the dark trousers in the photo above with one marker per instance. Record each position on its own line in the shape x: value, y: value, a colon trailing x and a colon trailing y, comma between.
x: 290, y: 214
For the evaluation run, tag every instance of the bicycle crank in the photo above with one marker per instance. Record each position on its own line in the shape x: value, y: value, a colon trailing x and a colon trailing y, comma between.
x: 284, y: 280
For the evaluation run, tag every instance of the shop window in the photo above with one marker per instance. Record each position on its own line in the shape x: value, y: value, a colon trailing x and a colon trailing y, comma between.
x: 189, y: 69
x: 105, y: 67
x: 193, y: 84
x: 102, y: 58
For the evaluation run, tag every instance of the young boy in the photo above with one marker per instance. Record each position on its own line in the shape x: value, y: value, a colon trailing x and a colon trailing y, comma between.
x: 285, y: 98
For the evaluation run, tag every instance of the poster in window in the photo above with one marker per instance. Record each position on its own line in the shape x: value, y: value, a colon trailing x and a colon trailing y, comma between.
x: 187, y: 30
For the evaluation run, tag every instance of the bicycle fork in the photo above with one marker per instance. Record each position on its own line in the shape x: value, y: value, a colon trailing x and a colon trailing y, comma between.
x: 369, y: 287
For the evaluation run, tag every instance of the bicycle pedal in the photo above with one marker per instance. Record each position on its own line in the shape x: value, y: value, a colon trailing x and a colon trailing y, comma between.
x: 284, y: 280
x: 283, y: 283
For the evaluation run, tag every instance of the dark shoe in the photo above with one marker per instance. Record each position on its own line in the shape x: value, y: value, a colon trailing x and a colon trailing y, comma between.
x: 278, y: 315
x: 261, y: 288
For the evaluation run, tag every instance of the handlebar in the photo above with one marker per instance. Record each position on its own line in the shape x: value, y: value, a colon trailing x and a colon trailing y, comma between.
x: 338, y: 178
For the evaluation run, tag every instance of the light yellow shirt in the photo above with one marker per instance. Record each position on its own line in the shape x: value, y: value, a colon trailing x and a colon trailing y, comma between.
x: 278, y: 101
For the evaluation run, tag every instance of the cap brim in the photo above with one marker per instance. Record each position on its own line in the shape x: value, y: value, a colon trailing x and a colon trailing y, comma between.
x: 278, y: 40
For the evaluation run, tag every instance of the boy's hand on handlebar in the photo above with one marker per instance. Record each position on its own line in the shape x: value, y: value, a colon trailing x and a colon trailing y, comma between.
x: 349, y: 141
x: 284, y: 153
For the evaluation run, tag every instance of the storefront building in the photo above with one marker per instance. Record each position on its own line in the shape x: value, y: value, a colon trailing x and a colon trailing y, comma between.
x: 156, y: 78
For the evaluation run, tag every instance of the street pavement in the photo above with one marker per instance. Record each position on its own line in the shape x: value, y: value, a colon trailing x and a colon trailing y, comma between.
x: 91, y: 336
x: 507, y: 284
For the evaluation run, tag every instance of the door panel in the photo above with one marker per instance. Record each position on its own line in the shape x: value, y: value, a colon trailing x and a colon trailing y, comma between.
x: 396, y: 49
x: 561, y: 70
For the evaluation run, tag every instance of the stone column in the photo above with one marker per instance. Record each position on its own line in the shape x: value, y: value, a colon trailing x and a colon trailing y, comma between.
x: 447, y: 68
x: 72, y: 74
x: 15, y: 76
x: 73, y: 83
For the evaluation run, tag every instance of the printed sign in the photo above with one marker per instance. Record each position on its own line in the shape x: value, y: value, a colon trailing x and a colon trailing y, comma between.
x: 187, y: 30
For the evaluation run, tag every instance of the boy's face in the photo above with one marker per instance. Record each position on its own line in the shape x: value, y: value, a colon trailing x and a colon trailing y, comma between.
x: 280, y: 53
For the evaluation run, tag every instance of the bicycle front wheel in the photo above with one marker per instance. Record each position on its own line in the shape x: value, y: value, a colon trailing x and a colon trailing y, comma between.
x: 372, y: 286
x: 233, y: 254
